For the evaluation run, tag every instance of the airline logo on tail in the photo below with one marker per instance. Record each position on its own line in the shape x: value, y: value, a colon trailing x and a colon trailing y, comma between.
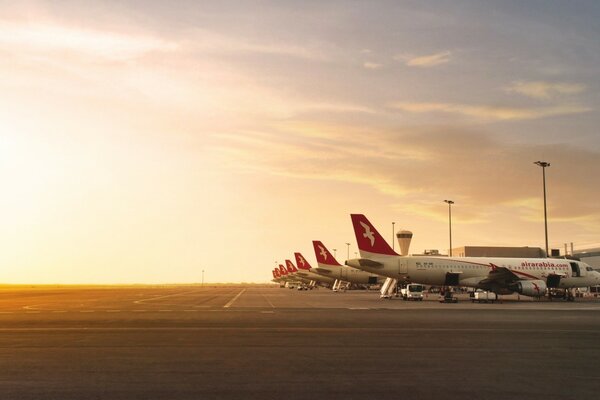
x: 368, y: 233
x: 323, y: 255
x: 282, y: 270
x: 300, y: 259
x: 367, y: 237
x: 291, y: 267
x: 323, y: 252
x: 301, y: 262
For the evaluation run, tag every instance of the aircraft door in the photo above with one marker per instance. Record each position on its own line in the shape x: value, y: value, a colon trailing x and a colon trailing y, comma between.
x: 402, y: 267
x: 575, y: 271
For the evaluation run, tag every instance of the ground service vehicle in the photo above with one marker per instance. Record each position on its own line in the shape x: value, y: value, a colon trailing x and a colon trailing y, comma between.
x: 412, y: 291
x: 483, y: 296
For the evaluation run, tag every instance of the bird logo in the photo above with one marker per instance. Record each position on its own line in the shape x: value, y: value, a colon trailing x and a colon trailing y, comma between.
x: 323, y: 252
x: 301, y: 260
x: 368, y: 233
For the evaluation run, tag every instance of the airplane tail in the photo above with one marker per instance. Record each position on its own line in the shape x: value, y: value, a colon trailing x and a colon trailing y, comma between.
x: 282, y: 270
x: 323, y: 255
x: 368, y: 239
x: 291, y: 267
x: 274, y: 274
x: 301, y: 262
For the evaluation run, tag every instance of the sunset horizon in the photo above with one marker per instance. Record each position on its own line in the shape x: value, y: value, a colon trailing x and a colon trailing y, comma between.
x: 145, y: 143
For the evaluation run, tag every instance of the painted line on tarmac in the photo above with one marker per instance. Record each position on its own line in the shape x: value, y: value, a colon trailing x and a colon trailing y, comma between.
x: 268, y: 301
x: 113, y: 311
x: 234, y: 299
x: 141, y: 301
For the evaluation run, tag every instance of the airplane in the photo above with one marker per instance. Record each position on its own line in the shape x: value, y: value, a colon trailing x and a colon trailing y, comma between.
x: 329, y: 266
x: 526, y: 276
x: 277, y: 278
x: 306, y: 272
x: 290, y: 277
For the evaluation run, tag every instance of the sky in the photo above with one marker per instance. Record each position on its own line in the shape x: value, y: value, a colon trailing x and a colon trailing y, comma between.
x: 147, y: 141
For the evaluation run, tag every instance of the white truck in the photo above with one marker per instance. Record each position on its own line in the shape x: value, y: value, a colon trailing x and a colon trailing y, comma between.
x: 412, y: 291
x: 483, y: 296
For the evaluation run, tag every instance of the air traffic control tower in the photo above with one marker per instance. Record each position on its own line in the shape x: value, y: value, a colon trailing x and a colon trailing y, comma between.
x: 404, y: 238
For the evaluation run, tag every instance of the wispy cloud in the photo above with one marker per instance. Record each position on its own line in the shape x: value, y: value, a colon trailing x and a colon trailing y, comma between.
x: 218, y: 42
x: 425, y: 61
x: 47, y: 38
x: 544, y: 90
x: 372, y: 65
x: 491, y: 112
x: 404, y: 165
x: 339, y: 108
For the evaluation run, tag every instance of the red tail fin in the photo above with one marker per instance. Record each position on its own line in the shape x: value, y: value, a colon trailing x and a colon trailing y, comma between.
x: 368, y: 238
x: 323, y: 255
x: 301, y: 262
x: 291, y: 267
x: 276, y: 273
x: 282, y: 270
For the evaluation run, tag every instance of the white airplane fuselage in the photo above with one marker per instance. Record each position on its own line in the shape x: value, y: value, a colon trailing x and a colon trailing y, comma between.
x: 471, y: 271
x: 310, y: 275
x: 349, y: 274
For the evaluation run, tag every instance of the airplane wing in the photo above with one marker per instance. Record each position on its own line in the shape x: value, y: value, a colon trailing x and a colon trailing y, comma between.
x: 500, y: 276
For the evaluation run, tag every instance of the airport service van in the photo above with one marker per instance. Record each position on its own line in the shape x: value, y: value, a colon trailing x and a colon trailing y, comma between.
x: 412, y: 291
x: 483, y: 296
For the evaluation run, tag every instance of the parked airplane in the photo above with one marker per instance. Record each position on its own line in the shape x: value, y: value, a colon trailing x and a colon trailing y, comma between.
x: 293, y: 273
x: 526, y: 276
x: 328, y: 266
x: 307, y: 272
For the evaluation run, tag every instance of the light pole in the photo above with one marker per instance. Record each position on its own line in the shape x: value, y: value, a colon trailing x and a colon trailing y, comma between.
x: 203, y: 277
x: 348, y: 253
x: 544, y: 164
x: 450, y: 202
x: 393, y: 233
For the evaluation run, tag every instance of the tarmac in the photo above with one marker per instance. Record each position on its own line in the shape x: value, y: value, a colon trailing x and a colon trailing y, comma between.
x: 263, y: 342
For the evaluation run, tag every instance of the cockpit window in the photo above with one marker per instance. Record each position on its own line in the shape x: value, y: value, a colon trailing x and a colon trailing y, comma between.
x: 589, y: 268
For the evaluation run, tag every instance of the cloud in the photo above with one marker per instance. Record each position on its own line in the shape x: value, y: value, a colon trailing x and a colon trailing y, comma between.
x: 49, y: 38
x: 426, y: 61
x: 418, y: 167
x: 372, y: 65
x: 219, y: 43
x: 491, y: 112
x: 544, y: 90
x: 338, y: 108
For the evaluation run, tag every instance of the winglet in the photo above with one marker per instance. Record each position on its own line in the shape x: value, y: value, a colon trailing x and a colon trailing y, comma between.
x: 323, y: 255
x: 301, y: 262
x: 367, y: 237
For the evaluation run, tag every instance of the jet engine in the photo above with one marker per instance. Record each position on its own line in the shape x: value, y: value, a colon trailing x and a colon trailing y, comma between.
x: 535, y: 288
